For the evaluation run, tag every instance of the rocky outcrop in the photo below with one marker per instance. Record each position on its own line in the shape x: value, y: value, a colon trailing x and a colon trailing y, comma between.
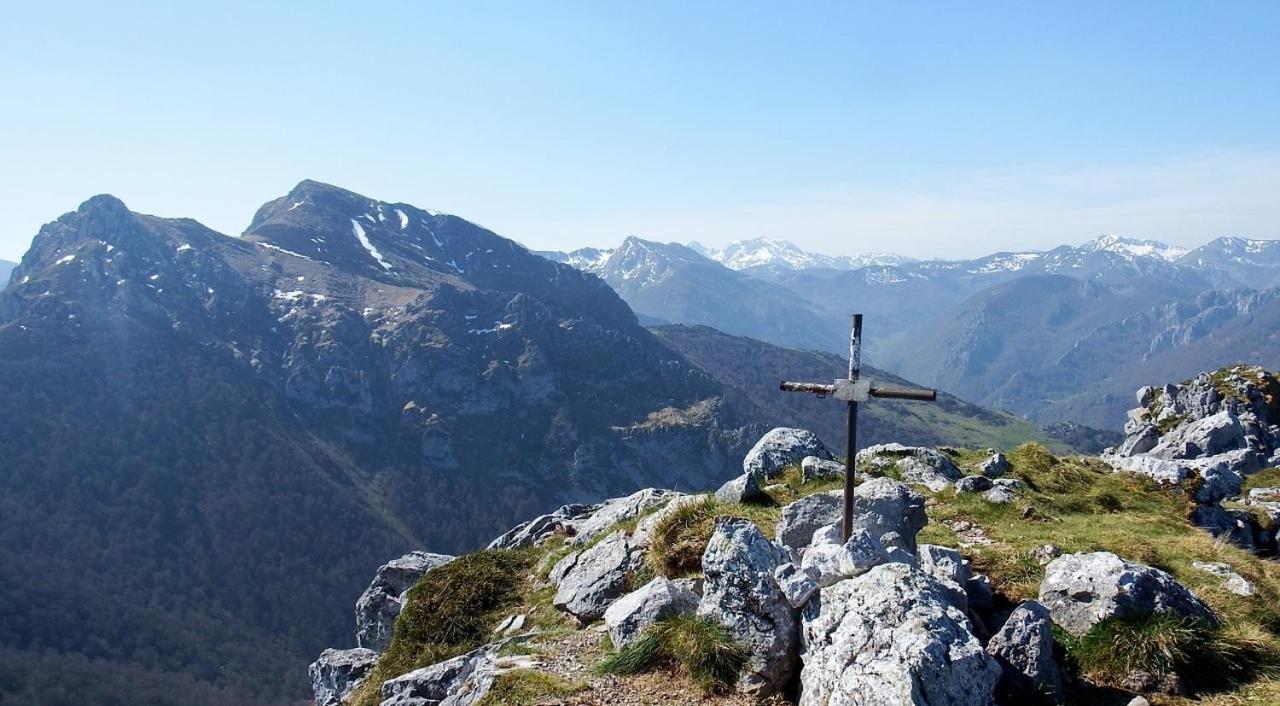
x: 541, y: 528
x: 1216, y: 428
x: 799, y: 520
x: 890, y: 637
x: 337, y: 673
x: 1024, y: 648
x: 461, y: 681
x: 628, y: 616
x: 1082, y: 590
x: 883, y: 505
x: 830, y: 563
x: 813, y: 468
x: 618, y: 510
x: 588, y: 582
x: 380, y: 604
x: 743, y: 489
x: 741, y: 593
x: 782, y: 447
x: 950, y: 570
x: 914, y: 464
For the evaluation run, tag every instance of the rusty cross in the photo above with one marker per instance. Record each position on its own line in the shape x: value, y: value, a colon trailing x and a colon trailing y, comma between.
x: 851, y: 391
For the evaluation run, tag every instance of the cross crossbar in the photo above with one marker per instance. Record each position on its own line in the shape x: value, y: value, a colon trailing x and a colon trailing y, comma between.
x: 851, y: 391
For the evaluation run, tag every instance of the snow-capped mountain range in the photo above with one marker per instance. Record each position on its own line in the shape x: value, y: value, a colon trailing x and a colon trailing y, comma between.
x: 767, y: 252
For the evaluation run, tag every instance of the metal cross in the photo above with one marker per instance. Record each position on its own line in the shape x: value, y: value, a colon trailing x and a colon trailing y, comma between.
x: 853, y: 390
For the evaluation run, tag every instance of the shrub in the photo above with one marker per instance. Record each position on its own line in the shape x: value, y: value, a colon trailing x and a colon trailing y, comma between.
x: 698, y: 647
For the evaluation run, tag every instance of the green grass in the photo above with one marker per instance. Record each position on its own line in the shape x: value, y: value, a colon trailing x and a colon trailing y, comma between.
x: 529, y: 687
x: 1269, y: 478
x: 697, y: 647
x: 681, y: 537
x: 451, y: 611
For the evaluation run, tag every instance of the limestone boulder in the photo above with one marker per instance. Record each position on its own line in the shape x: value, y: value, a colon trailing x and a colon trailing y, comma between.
x: 627, y: 618
x: 596, y: 578
x: 782, y: 447
x: 337, y: 673
x: 1082, y: 590
x: 1024, y: 649
x: 380, y: 604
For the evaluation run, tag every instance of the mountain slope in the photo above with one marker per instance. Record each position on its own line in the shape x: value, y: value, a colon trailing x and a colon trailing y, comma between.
x: 210, y: 442
x: 6, y: 268
x: 754, y: 368
x: 669, y: 282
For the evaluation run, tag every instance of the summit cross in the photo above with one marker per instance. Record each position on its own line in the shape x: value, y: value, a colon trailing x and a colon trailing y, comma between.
x: 851, y: 391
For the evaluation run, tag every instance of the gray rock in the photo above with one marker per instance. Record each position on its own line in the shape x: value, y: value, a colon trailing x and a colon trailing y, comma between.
x: 830, y: 563
x: 461, y: 681
x: 1240, y: 527
x: 1144, y: 395
x: 1000, y: 495
x: 628, y: 617
x: 782, y: 447
x: 541, y: 528
x: 1082, y: 590
x: 337, y: 673
x: 1010, y: 483
x: 1046, y: 553
x: 1160, y: 470
x: 1218, y: 483
x: 883, y: 505
x: 828, y: 534
x: 995, y: 466
x: 1024, y: 649
x: 813, y: 468
x: 741, y: 593
x: 797, y: 584
x: 617, y: 510
x: 380, y: 604
x: 1139, y: 441
x: 1208, y: 436
x: 1264, y: 494
x: 891, y: 638
x: 596, y: 579
x: 743, y: 489
x: 919, y: 465
x: 1234, y: 582
x: 799, y: 520
x: 973, y: 484
x: 949, y: 569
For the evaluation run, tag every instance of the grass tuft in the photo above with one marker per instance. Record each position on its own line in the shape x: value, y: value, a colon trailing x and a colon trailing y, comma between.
x: 681, y: 537
x: 528, y: 687
x: 697, y: 647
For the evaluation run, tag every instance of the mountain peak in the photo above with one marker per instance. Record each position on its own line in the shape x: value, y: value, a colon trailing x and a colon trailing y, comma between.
x: 103, y: 204
x: 1134, y: 247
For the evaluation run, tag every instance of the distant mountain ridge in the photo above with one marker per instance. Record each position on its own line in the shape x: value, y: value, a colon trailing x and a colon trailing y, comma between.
x: 6, y: 268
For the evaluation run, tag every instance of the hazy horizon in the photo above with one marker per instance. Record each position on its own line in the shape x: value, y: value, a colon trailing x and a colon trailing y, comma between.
x: 922, y: 130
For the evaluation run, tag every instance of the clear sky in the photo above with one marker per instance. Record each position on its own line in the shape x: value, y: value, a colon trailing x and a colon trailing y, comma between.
x: 931, y: 129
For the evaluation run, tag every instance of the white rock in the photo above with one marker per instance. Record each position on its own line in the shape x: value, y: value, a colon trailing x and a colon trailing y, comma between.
x: 797, y: 584
x: 1024, y: 649
x: 380, y: 604
x: 337, y: 673
x: 891, y: 638
x: 597, y: 577
x: 799, y: 520
x: 782, y: 447
x: 628, y: 617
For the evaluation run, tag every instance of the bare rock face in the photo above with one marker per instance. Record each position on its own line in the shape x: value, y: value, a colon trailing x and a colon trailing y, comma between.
x: 1024, y: 649
x: 462, y: 681
x: 617, y: 510
x: 830, y: 563
x: 916, y: 464
x: 380, y: 604
x: 799, y: 520
x: 890, y: 637
x: 628, y: 616
x: 1082, y: 590
x: 593, y: 579
x: 336, y: 673
x: 949, y: 569
x: 883, y: 505
x: 741, y: 593
x: 543, y: 527
x: 813, y: 468
x: 782, y: 447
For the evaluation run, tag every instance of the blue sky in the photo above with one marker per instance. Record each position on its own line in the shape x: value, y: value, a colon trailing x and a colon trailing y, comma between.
x: 932, y: 129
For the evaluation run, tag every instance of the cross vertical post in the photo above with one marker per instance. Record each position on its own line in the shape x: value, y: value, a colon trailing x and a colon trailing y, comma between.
x: 852, y: 390
x: 851, y: 432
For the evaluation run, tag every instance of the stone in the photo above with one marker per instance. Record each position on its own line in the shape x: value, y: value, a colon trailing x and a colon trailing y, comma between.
x: 541, y: 528
x: 1138, y: 701
x: 741, y: 593
x: 994, y: 466
x: 1208, y: 436
x: 999, y: 494
x: 813, y: 468
x: 797, y: 584
x: 973, y: 484
x: 916, y: 464
x: 337, y: 673
x: 661, y: 598
x: 1218, y: 482
x: 1046, y: 553
x: 1024, y: 648
x: 380, y: 604
x: 781, y: 447
x: 1140, y: 440
x: 828, y: 534
x: 1233, y: 582
x: 743, y: 489
x: 596, y: 579
x: 1082, y: 590
x: 1009, y: 483
x: 883, y: 505
x: 830, y: 563
x: 799, y: 520
x: 461, y: 681
x: 890, y: 638
x: 1240, y: 527
x: 949, y: 569
x: 1157, y: 469
x: 611, y: 512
